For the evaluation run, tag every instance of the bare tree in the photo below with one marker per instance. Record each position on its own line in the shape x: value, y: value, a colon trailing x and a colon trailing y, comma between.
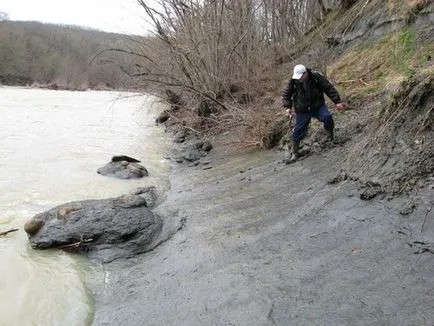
x: 46, y: 54
x: 207, y: 46
x: 4, y: 16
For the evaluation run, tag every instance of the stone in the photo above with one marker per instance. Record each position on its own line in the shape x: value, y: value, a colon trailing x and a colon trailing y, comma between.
x: 105, y: 229
x: 123, y: 170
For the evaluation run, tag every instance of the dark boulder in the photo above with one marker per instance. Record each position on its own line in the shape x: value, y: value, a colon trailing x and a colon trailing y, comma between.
x: 105, y: 229
x: 162, y: 117
x: 206, y: 146
x: 192, y: 151
x: 123, y: 167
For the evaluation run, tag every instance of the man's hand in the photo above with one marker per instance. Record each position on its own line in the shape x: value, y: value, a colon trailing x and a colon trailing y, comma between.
x: 289, y: 112
x: 339, y: 106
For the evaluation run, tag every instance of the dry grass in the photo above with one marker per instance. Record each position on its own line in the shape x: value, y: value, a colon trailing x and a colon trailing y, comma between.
x: 405, y: 5
x: 362, y: 74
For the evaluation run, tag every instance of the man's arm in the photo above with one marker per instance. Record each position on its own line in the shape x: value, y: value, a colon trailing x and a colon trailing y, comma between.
x: 330, y: 91
x: 287, y: 95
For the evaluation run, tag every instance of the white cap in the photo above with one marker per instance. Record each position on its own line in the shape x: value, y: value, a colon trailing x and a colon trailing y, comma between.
x: 299, y: 70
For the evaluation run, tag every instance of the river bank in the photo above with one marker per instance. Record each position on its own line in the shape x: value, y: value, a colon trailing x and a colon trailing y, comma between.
x: 264, y: 243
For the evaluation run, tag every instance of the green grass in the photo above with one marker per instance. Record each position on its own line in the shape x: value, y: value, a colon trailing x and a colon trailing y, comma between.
x: 424, y: 58
x: 404, y: 50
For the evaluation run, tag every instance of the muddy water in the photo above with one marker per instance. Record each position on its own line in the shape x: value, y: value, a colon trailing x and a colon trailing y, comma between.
x: 52, y: 143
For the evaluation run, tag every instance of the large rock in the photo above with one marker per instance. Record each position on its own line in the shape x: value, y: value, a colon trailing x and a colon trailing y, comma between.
x: 192, y: 152
x: 106, y: 229
x: 123, y: 167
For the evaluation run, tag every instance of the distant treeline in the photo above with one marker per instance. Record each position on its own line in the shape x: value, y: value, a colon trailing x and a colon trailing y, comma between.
x: 32, y: 53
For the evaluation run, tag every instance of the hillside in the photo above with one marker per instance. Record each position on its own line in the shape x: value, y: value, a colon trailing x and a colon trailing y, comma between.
x: 379, y: 56
x: 383, y: 66
x: 68, y: 57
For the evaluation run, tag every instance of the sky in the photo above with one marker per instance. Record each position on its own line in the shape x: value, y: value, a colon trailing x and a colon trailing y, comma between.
x: 118, y: 16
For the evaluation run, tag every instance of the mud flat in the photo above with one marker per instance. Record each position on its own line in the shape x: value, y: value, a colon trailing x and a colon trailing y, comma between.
x: 264, y: 243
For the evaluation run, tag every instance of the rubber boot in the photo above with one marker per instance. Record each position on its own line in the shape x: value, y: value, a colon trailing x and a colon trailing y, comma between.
x: 295, y: 152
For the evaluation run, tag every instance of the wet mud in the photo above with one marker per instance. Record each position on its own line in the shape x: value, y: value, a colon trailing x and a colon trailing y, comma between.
x: 264, y: 243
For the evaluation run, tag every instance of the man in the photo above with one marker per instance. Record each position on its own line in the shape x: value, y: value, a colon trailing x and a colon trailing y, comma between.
x: 305, y: 93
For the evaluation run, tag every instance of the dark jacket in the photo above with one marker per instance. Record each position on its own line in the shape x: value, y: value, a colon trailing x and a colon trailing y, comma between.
x: 304, y: 101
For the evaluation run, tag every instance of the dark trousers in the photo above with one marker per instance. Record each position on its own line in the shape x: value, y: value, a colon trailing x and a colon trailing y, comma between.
x: 302, y: 121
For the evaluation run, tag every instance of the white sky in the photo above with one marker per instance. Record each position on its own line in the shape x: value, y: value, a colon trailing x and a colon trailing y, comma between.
x: 118, y: 16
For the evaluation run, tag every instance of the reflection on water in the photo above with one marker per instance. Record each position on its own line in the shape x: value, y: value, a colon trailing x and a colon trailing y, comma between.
x: 52, y: 144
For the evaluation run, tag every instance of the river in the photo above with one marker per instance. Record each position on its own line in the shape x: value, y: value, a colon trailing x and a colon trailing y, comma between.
x: 52, y: 143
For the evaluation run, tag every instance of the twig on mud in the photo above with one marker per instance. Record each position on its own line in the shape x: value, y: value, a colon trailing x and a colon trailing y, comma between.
x: 417, y: 259
x: 405, y: 185
x: 385, y: 161
x: 422, y: 124
x: 422, y: 246
x: 8, y: 231
x: 363, y: 219
x: 317, y: 234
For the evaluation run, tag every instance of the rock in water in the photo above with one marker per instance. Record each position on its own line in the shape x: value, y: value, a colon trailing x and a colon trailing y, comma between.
x: 106, y: 229
x: 123, y: 170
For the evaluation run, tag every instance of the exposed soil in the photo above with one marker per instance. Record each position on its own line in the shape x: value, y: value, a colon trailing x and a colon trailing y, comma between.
x: 396, y: 147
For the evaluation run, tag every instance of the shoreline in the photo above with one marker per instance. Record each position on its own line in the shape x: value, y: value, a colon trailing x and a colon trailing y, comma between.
x: 55, y: 87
